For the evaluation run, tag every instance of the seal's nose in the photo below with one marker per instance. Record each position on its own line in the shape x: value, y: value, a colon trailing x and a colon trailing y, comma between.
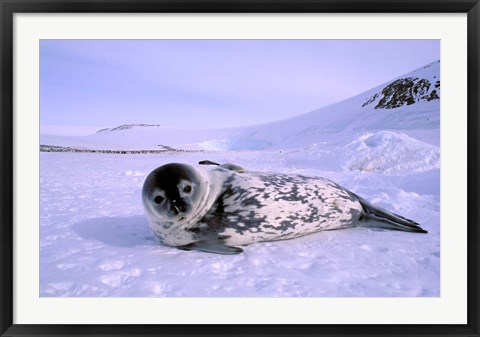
x: 174, y: 208
x: 178, y: 206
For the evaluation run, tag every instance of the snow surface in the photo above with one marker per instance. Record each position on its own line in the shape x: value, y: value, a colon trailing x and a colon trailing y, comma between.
x: 95, y: 241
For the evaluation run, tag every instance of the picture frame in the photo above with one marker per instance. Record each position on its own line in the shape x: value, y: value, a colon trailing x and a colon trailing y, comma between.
x: 7, y: 305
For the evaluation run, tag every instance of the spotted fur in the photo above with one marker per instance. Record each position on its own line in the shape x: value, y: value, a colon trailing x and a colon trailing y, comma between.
x: 254, y: 207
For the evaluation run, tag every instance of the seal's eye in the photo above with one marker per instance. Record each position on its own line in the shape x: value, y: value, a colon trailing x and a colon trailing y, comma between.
x: 158, y: 199
x: 187, y: 189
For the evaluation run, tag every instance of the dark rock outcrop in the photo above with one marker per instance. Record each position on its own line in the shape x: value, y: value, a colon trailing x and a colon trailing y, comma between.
x: 405, y: 91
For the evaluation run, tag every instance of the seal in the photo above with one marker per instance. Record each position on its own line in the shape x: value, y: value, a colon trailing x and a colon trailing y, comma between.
x: 216, y: 208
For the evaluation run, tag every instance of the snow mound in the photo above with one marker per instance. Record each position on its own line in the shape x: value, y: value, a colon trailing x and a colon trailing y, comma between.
x: 391, y: 153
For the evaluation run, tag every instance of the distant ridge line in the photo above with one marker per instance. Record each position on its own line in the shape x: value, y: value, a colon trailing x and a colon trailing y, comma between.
x: 128, y: 126
x: 54, y: 148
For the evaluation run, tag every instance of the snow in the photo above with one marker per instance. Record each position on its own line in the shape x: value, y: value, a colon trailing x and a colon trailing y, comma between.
x: 95, y: 240
x: 372, y: 152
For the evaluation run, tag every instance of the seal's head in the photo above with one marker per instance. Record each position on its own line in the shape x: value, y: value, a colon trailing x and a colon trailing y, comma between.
x: 171, y: 192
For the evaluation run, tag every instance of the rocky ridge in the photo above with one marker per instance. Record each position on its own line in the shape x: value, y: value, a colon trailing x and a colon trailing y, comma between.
x: 405, y: 91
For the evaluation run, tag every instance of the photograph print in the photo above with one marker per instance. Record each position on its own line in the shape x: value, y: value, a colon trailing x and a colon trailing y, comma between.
x: 239, y: 168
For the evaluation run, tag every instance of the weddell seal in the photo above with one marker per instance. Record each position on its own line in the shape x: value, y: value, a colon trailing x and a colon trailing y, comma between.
x: 214, y: 208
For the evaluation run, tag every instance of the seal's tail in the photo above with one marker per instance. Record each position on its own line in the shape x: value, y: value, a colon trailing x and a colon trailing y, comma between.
x: 386, y: 219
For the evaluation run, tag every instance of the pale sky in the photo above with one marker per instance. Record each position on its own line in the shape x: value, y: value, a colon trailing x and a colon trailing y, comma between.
x: 90, y: 84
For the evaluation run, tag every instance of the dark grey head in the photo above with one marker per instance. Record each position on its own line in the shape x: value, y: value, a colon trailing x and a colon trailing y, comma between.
x: 171, y: 191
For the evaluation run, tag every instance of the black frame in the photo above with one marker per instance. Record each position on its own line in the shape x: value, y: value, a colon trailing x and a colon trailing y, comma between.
x: 10, y: 7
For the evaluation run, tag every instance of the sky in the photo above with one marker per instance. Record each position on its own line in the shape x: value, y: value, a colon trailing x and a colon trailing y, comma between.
x: 86, y: 85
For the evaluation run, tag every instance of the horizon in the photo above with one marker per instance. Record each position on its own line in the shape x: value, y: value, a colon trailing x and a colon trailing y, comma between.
x: 210, y: 83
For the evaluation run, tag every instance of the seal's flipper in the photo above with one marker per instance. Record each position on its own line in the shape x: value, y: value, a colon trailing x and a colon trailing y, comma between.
x: 387, y: 219
x: 207, y: 162
x: 233, y: 167
x: 212, y: 247
x: 228, y: 166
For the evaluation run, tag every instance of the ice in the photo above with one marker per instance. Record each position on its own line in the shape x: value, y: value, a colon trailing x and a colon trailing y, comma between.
x: 106, y: 248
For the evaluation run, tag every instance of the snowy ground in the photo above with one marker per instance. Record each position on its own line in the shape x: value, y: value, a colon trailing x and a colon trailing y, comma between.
x: 95, y: 240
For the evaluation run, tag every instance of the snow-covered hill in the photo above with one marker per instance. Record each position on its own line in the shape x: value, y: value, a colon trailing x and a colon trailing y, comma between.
x: 382, y: 144
x: 408, y: 103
